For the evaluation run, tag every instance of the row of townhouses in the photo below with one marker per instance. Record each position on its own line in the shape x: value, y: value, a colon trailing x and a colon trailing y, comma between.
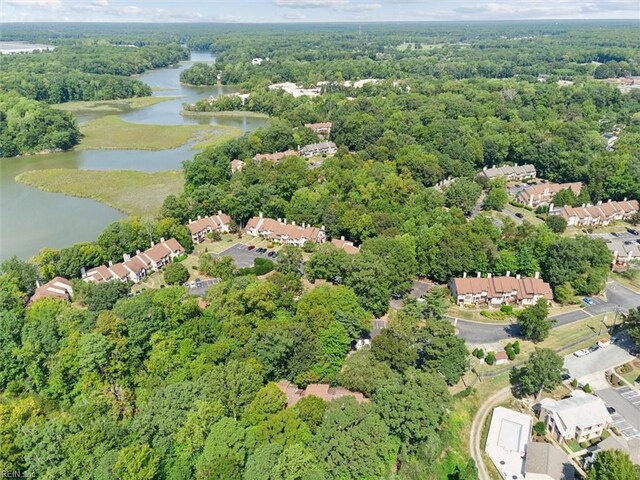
x: 308, y: 151
x: 543, y: 193
x: 285, y: 232
x: 499, y: 290
x: 203, y: 226
x: 599, y: 214
x: 516, y: 173
x: 137, y: 267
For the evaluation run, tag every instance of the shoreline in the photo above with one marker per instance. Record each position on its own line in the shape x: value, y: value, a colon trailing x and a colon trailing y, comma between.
x: 224, y: 113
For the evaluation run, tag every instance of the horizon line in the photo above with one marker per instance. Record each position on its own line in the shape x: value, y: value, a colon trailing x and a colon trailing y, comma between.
x: 349, y: 22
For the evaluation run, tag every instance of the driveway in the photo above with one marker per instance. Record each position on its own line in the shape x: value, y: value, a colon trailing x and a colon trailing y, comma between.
x: 626, y: 402
x: 243, y: 257
x: 512, y: 216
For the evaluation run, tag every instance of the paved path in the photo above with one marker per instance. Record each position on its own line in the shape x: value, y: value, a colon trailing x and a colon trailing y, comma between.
x: 476, y: 429
x: 480, y: 333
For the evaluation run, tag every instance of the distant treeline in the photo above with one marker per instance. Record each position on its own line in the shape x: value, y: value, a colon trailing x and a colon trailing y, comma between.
x: 85, y: 73
x: 69, y: 73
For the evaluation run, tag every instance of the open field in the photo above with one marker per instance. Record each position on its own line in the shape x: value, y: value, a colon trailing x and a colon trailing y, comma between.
x: 111, y: 132
x: 110, y: 106
x: 214, y: 135
x: 129, y: 191
x: 225, y: 113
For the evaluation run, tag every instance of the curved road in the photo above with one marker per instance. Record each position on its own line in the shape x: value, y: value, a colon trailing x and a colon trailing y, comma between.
x: 476, y: 429
x: 479, y: 333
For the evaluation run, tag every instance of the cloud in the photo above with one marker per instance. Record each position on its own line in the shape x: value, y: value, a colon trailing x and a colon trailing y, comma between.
x: 100, y: 3
x: 311, y: 3
x: 45, y: 4
x: 361, y: 7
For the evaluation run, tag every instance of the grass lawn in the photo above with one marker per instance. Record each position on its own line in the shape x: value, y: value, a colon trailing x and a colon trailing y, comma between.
x: 111, y: 132
x: 110, y: 106
x: 129, y: 191
x: 528, y: 215
x: 214, y: 135
x: 574, y: 446
x: 584, y: 332
x: 634, y: 374
x: 630, y: 278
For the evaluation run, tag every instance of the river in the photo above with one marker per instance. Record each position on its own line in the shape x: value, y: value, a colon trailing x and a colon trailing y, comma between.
x: 31, y: 219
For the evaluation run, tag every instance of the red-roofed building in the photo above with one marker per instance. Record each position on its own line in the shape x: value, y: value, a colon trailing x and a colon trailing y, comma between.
x: 345, y: 245
x: 603, y: 213
x: 274, y: 157
x: 495, y: 291
x: 201, y: 227
x: 282, y: 232
x: 57, y: 287
x: 321, y: 390
x: 322, y: 129
x: 542, y: 193
x: 236, y: 166
x: 137, y: 267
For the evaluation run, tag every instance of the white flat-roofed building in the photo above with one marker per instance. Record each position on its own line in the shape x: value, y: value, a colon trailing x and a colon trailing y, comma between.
x: 509, y: 433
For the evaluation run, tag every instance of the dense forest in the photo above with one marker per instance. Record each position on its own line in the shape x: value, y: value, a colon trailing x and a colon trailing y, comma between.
x: 162, y: 386
x: 69, y: 73
x: 28, y: 126
x: 199, y: 74
x: 156, y: 387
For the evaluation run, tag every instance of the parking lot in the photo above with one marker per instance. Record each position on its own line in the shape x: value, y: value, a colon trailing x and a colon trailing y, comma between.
x: 601, y: 360
x: 204, y: 285
x: 625, y: 235
x: 243, y: 257
x: 626, y: 402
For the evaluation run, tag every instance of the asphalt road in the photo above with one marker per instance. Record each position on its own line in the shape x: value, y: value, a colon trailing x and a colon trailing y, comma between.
x: 480, y: 333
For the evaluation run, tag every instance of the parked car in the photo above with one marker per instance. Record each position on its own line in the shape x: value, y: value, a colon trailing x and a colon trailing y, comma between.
x: 272, y: 254
x: 611, y: 410
x: 251, y: 247
x: 588, y: 301
x: 593, y: 348
x: 581, y: 353
x: 198, y: 283
x: 396, y: 296
x: 519, y: 215
x: 633, y: 231
x: 261, y: 250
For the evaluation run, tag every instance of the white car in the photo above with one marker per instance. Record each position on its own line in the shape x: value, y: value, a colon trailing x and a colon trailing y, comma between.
x: 581, y: 353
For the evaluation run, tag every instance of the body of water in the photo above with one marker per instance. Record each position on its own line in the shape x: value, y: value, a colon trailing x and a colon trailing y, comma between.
x: 31, y: 219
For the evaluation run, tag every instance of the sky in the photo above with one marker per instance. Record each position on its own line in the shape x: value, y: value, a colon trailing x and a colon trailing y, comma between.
x: 261, y: 11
